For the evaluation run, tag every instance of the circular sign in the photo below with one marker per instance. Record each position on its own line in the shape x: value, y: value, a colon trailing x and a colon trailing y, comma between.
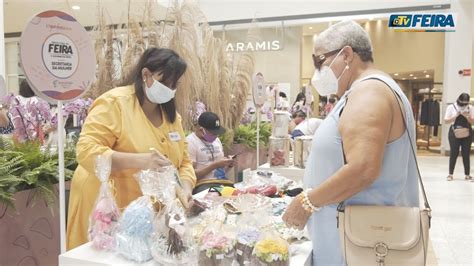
x: 57, y: 56
x: 259, y: 90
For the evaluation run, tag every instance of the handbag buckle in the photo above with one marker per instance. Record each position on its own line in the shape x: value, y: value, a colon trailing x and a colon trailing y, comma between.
x: 381, y: 250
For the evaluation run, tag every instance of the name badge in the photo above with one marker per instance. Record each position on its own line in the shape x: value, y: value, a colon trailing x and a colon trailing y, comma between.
x: 174, y: 136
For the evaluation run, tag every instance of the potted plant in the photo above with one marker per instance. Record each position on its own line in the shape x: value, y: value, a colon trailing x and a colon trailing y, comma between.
x: 29, y: 221
x: 243, y: 141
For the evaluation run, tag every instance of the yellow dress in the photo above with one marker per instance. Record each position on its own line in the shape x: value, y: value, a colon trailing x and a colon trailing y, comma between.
x: 116, y: 122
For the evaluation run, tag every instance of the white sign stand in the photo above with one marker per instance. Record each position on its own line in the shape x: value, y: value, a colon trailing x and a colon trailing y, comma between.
x: 258, y: 135
x: 56, y: 54
x: 259, y: 98
x: 62, y: 188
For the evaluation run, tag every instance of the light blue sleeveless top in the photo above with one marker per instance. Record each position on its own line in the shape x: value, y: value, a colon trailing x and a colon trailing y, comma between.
x: 397, y: 185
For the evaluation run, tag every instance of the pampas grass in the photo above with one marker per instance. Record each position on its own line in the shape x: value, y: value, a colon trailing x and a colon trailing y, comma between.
x: 135, y: 48
x: 185, y: 40
x: 241, y: 80
x: 221, y: 81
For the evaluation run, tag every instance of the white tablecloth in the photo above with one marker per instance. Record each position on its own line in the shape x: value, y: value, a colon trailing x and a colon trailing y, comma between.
x: 291, y: 172
x: 86, y: 255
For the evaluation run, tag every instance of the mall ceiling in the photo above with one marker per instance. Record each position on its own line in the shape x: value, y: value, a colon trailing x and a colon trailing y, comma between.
x: 414, y: 75
x: 18, y: 12
x: 219, y: 12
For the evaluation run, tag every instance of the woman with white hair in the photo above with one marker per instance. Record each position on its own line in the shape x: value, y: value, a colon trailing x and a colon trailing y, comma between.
x: 361, y: 153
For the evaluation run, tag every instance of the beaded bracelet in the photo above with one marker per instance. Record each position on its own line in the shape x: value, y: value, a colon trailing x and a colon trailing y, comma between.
x: 306, y: 203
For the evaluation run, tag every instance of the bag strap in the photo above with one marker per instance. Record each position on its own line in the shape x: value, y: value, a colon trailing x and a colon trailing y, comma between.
x: 400, y: 104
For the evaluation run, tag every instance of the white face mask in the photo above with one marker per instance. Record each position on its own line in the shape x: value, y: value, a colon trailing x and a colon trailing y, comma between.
x: 159, y: 93
x: 325, y: 81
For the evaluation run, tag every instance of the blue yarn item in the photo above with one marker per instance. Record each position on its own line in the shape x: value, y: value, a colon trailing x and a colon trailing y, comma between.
x: 134, y: 248
x: 137, y: 219
x: 135, y: 230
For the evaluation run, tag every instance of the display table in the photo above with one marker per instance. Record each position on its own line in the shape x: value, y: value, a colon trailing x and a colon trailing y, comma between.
x: 300, y: 253
x: 291, y: 172
x: 86, y: 255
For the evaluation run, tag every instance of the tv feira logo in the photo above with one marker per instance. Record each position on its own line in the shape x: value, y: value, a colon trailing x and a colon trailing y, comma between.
x: 423, y: 22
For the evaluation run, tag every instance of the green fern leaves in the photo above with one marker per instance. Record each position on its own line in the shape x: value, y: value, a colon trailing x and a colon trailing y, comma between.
x: 27, y: 166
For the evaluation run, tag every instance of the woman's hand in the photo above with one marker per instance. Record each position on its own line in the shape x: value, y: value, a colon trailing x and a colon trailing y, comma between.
x: 225, y: 162
x: 295, y: 215
x: 155, y: 160
x: 185, y: 194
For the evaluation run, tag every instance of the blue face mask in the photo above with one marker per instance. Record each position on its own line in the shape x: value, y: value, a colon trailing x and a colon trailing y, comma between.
x: 159, y: 93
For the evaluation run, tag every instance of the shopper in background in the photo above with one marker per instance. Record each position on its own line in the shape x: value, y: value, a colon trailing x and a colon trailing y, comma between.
x: 138, y: 126
x: 299, y: 103
x: 6, y: 125
x: 330, y: 105
x: 304, y: 126
x: 26, y: 92
x: 283, y: 103
x: 207, y: 153
x: 462, y: 114
x: 380, y: 165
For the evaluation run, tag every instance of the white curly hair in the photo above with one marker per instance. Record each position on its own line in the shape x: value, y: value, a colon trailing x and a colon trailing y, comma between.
x: 345, y: 33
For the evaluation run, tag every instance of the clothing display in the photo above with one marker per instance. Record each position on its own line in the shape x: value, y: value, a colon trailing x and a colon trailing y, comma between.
x: 430, y: 113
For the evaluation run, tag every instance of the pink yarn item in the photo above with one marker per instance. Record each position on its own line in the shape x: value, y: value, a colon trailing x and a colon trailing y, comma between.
x: 106, y: 205
x: 102, y: 216
x: 103, y: 241
x: 104, y: 220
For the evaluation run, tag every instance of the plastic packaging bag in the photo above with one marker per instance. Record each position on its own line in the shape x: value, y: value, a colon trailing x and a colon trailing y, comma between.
x: 135, y: 229
x: 171, y: 241
x: 271, y: 250
x: 136, y: 225
x: 247, y: 237
x: 104, y: 218
x: 279, y: 150
x: 216, y: 248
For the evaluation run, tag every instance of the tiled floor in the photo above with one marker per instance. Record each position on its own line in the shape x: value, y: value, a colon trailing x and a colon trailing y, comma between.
x: 452, y: 226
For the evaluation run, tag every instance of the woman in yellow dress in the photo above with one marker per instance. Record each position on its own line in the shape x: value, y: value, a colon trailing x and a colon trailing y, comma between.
x: 138, y: 126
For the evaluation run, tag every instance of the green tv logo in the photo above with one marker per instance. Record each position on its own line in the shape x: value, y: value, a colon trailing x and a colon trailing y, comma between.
x: 401, y: 21
x: 422, y: 22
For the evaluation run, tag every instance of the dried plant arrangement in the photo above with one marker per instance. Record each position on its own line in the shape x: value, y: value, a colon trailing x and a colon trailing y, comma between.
x: 218, y: 79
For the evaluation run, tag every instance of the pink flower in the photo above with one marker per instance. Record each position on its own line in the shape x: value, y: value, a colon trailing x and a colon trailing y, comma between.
x: 211, y: 240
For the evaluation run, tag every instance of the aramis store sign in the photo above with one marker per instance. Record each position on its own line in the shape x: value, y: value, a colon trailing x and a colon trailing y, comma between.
x: 273, y: 45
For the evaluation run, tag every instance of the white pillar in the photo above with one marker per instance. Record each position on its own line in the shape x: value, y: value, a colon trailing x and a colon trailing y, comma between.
x: 2, y: 42
x: 457, y: 56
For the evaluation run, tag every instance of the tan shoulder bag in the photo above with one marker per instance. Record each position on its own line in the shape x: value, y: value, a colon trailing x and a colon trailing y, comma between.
x: 385, y: 235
